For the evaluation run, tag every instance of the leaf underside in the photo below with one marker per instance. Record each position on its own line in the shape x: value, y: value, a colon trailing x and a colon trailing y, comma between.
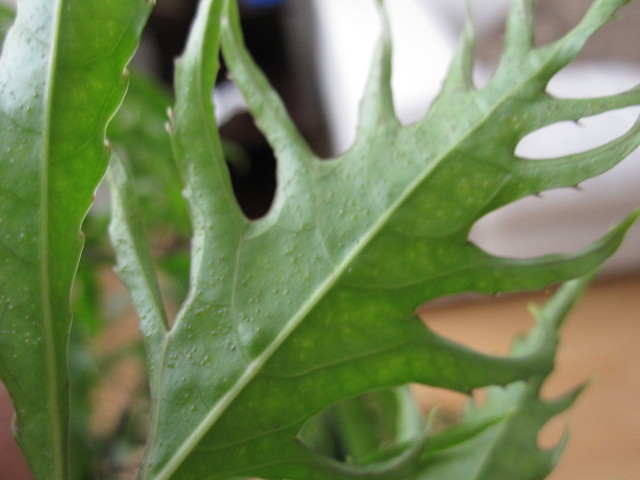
x: 315, y: 302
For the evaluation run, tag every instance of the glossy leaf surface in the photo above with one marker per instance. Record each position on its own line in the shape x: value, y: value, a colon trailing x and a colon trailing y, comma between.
x: 315, y: 302
x: 61, y: 79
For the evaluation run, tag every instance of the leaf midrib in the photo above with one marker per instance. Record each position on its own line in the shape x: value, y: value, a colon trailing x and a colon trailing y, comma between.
x: 53, y: 377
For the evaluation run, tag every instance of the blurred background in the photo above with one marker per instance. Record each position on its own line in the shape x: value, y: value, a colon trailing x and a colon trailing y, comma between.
x: 317, y: 53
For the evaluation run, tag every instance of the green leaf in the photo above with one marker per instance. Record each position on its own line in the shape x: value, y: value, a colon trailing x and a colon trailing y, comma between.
x: 315, y: 302
x: 365, y: 429
x: 127, y: 232
x: 138, y: 134
x: 508, y: 448
x: 61, y: 79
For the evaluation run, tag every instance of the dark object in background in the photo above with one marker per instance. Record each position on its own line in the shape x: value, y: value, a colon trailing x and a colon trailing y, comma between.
x: 262, y: 3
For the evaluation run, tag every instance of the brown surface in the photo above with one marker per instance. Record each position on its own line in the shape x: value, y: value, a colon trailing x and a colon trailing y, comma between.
x: 12, y: 463
x: 599, y: 344
x: 616, y: 41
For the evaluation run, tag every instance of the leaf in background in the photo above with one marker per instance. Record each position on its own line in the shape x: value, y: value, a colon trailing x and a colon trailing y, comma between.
x: 138, y: 134
x: 61, y: 79
x: 508, y: 448
x: 315, y: 302
x: 367, y: 428
x: 137, y: 270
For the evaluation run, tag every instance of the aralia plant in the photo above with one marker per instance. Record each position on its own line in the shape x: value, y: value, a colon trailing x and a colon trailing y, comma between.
x: 313, y: 304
